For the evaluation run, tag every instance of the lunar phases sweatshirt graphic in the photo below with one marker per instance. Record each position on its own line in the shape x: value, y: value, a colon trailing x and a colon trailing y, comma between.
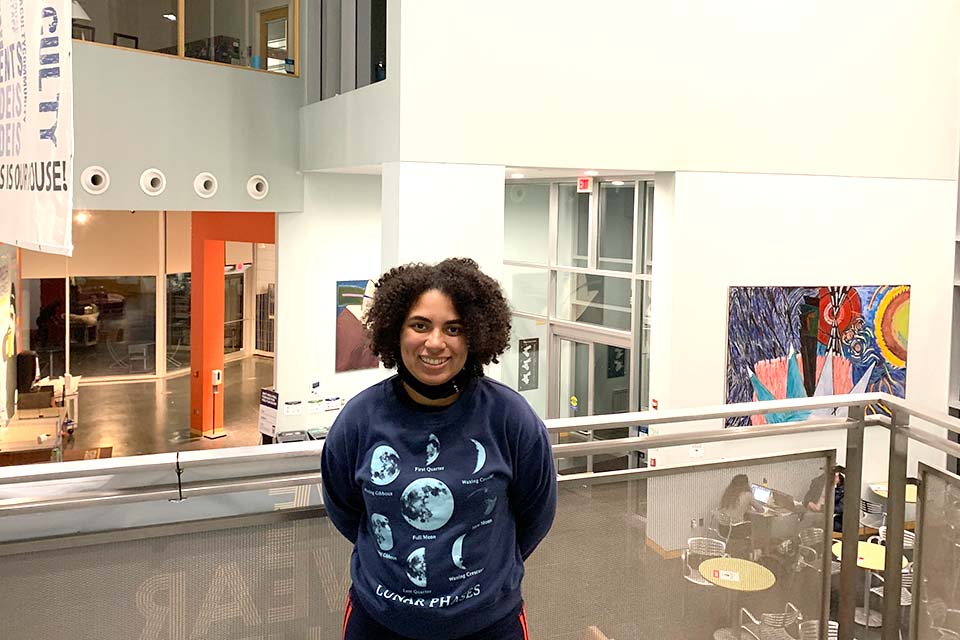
x: 442, y: 506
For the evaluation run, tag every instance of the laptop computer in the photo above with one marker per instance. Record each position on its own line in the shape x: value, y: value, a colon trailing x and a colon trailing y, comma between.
x: 761, y: 494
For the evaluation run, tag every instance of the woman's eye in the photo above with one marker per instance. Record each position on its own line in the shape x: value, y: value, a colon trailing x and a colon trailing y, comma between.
x: 454, y: 331
x: 418, y: 326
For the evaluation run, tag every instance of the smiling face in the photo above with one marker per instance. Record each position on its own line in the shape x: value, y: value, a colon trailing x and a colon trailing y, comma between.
x: 433, y: 346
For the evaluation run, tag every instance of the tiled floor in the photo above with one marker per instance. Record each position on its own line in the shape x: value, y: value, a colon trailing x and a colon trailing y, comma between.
x: 153, y: 417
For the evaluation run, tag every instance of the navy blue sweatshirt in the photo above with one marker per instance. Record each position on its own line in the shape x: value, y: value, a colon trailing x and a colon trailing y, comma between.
x: 442, y: 506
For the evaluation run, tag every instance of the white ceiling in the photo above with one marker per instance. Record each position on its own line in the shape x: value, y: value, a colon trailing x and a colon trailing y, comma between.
x: 529, y: 173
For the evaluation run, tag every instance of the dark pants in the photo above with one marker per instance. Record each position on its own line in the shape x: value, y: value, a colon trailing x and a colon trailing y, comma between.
x: 358, y: 625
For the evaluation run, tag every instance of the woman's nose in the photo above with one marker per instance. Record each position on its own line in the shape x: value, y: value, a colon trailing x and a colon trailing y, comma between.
x: 435, y: 340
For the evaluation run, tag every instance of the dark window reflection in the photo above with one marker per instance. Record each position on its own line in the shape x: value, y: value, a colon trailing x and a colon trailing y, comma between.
x: 113, y: 325
x: 149, y: 25
x: 178, y: 321
x: 44, y: 306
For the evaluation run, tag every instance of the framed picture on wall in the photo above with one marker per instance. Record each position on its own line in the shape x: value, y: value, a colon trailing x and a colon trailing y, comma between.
x: 124, y: 40
x: 84, y: 32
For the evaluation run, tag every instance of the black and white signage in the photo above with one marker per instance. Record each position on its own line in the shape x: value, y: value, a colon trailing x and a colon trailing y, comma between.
x: 36, y: 124
x: 529, y: 373
x: 269, y: 403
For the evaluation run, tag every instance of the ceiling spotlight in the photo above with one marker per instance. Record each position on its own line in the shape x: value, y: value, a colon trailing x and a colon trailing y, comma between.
x: 172, y: 17
x: 82, y: 217
x: 617, y: 183
x: 517, y: 176
x: 591, y: 173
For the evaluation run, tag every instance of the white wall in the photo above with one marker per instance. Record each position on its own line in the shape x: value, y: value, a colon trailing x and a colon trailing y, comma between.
x: 714, y: 231
x: 134, y: 111
x: 336, y: 237
x: 818, y: 87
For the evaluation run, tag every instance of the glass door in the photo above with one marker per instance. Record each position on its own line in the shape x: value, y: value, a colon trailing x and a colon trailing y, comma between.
x: 592, y: 378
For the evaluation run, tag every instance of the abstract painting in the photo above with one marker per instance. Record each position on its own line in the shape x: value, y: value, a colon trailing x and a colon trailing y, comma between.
x: 353, y: 299
x: 801, y: 342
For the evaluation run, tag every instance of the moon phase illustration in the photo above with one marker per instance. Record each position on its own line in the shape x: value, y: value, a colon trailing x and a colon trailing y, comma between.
x: 427, y: 504
x: 384, y: 465
x: 417, y: 566
x: 484, y: 495
x: 382, y: 531
x: 457, y: 552
x: 481, y: 455
x: 433, y: 449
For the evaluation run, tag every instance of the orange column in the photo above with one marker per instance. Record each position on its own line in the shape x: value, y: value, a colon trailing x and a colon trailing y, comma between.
x: 206, y: 336
x: 209, y: 231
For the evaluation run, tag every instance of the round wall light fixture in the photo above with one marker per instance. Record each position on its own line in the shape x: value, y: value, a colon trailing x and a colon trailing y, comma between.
x: 95, y: 180
x: 258, y: 187
x: 205, y: 184
x: 153, y: 182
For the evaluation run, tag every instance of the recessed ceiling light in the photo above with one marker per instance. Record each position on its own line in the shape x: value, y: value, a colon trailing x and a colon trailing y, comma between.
x: 591, y: 173
x: 172, y: 17
x: 82, y: 217
x: 617, y: 183
x: 517, y: 176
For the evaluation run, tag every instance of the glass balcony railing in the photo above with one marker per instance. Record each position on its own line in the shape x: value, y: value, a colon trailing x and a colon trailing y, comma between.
x: 235, y: 544
x: 257, y: 35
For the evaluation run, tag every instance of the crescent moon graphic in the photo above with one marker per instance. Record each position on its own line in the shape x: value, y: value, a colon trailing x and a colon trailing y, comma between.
x: 433, y: 449
x: 481, y: 455
x: 457, y: 552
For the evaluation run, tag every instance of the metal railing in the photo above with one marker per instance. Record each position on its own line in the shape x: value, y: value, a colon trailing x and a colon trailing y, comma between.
x: 41, y: 505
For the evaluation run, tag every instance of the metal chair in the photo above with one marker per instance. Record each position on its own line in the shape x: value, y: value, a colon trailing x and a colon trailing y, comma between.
x: 906, y: 586
x: 698, y: 549
x: 810, y: 551
x: 724, y: 526
x: 909, y: 538
x: 810, y: 630
x: 872, y: 514
x: 770, y: 626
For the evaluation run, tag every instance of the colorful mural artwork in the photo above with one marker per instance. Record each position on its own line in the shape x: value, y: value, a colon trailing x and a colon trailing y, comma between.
x: 353, y: 299
x: 800, y: 342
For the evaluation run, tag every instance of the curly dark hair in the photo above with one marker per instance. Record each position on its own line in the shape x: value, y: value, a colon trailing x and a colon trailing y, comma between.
x: 476, y: 296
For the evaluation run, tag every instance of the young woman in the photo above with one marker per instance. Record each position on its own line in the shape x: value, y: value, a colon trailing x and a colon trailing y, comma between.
x: 441, y: 478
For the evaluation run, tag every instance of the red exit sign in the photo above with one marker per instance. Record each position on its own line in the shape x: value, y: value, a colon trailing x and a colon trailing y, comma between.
x: 584, y: 185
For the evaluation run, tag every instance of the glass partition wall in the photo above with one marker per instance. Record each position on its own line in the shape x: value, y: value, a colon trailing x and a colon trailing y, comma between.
x: 577, y: 271
x: 84, y: 319
x: 260, y: 35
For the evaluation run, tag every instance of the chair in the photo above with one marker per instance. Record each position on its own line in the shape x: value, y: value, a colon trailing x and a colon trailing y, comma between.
x: 872, y: 514
x: 810, y: 551
x: 909, y: 538
x: 698, y: 549
x: 119, y: 362
x: 810, y: 630
x: 770, y: 626
x: 723, y: 525
x: 906, y: 586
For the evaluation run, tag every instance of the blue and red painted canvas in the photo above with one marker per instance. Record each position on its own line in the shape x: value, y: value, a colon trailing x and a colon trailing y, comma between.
x: 800, y: 342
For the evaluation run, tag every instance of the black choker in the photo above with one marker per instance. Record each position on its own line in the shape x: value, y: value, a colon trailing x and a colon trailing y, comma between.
x: 454, y: 385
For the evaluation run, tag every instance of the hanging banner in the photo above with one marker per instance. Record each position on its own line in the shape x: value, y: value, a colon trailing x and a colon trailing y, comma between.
x: 36, y: 124
x: 529, y: 370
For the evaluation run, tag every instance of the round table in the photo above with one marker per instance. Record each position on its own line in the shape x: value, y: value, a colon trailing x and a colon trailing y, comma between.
x: 870, y: 557
x: 880, y: 488
x: 739, y: 575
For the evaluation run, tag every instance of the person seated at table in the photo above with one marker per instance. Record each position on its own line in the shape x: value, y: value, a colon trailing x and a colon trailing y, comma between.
x: 815, y: 498
x: 736, y: 503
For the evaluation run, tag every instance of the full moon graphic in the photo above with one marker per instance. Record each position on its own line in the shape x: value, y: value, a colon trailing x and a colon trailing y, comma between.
x: 384, y: 465
x: 427, y: 504
x: 382, y: 531
x: 433, y: 449
x: 457, y: 552
x: 481, y: 455
x: 417, y: 566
